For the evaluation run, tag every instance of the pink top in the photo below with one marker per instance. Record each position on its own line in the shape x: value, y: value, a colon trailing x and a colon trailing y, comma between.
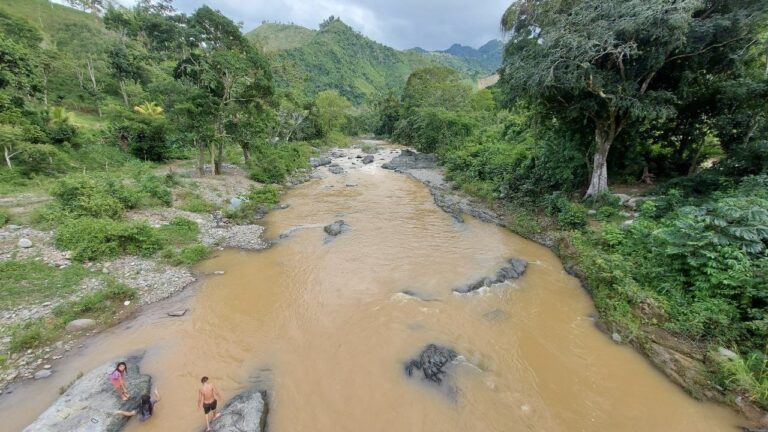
x: 116, y: 376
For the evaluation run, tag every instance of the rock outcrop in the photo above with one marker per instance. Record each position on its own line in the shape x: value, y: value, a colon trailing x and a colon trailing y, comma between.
x: 90, y: 402
x: 432, y: 362
x: 246, y: 412
x: 409, y: 159
x: 514, y: 269
x: 318, y: 162
x: 336, y: 228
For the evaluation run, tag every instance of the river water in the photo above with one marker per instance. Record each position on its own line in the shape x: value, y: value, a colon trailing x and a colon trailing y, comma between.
x: 322, y: 324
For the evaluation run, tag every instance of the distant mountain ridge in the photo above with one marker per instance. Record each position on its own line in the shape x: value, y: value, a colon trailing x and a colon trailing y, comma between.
x: 338, y: 57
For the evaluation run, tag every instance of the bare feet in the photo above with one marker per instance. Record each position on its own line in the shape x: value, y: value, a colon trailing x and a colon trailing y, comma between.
x: 218, y: 414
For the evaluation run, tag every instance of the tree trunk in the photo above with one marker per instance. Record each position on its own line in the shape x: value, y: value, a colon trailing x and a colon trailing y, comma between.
x: 200, y: 157
x: 124, y: 92
x: 246, y: 151
x: 8, y: 156
x: 92, y: 75
x: 45, y: 88
x: 605, y: 132
x: 219, y: 157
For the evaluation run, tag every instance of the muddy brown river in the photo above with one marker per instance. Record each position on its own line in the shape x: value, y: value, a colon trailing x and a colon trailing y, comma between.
x: 322, y: 324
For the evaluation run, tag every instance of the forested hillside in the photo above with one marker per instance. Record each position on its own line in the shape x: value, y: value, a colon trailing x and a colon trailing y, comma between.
x: 336, y: 57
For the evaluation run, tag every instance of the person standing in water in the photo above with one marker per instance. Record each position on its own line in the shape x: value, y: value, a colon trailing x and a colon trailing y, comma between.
x: 206, y: 399
x: 117, y: 379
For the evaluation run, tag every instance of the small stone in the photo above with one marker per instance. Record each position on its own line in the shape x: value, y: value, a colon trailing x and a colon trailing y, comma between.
x: 177, y: 313
x: 616, y: 337
x: 218, y: 272
x: 80, y: 324
x: 727, y: 354
x: 351, y: 184
x: 126, y: 303
x: 25, y: 243
x: 47, y: 366
x: 43, y: 374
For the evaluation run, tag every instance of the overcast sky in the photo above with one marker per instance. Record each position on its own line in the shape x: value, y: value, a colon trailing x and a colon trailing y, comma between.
x: 430, y: 24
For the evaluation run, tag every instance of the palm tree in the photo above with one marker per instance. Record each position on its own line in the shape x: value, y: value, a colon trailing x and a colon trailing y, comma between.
x: 149, y: 108
x: 59, y: 115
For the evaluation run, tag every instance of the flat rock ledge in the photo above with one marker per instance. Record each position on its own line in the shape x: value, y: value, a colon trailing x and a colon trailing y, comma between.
x: 246, y: 412
x: 514, y: 268
x: 90, y: 402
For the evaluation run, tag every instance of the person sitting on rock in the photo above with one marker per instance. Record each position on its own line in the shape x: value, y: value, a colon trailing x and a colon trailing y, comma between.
x: 146, y: 409
x: 117, y: 378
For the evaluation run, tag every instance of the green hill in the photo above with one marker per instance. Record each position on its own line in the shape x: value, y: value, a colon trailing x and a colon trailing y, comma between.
x: 277, y: 37
x: 339, y: 58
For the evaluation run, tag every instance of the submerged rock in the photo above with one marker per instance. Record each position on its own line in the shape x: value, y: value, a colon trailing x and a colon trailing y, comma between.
x: 432, y: 362
x: 335, y: 228
x: 246, y: 412
x: 335, y: 169
x: 514, y: 269
x: 90, y: 402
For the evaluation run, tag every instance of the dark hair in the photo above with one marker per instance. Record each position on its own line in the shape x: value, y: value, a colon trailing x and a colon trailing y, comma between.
x: 125, y: 367
x: 146, y: 406
x: 204, y: 380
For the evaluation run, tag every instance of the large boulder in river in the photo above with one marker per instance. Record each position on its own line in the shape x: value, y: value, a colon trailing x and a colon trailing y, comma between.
x: 335, y: 228
x: 90, y: 402
x: 368, y: 159
x: 432, y: 362
x: 247, y: 412
x: 514, y: 269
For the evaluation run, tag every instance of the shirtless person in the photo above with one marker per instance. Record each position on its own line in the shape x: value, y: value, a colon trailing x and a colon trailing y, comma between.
x: 206, y: 399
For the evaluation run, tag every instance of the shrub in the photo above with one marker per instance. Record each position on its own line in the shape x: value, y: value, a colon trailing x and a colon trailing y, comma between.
x: 143, y: 136
x: 191, y: 255
x: 573, y: 217
x: 94, y: 196
x: 178, y: 231
x: 92, y: 239
x: 265, y: 196
x: 40, y: 159
x: 272, y: 163
x: 748, y: 376
x: 607, y: 213
x: 196, y: 204
x: 4, y: 217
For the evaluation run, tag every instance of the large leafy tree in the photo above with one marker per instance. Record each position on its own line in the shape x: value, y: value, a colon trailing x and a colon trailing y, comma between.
x: 610, y: 65
x: 228, y: 69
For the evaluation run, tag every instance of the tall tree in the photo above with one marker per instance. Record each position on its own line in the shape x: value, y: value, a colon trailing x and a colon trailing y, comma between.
x: 226, y: 67
x: 605, y: 64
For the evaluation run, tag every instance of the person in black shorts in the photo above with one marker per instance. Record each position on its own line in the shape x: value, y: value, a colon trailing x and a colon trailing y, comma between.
x: 206, y: 399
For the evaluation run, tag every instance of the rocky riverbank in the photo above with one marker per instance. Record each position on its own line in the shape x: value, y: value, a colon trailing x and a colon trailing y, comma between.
x: 153, y: 278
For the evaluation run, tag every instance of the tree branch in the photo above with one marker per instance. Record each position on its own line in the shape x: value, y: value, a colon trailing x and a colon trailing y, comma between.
x: 703, y: 50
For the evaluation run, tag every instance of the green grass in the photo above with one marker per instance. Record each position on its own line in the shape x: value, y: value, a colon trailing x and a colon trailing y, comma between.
x: 748, y: 376
x: 193, y: 202
x: 25, y: 282
x: 188, y: 256
x: 4, y: 217
x: 104, y: 306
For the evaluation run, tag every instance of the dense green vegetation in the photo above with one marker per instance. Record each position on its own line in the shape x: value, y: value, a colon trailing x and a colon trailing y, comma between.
x: 679, y: 91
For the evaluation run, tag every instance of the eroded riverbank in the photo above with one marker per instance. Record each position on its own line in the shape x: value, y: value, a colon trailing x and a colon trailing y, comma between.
x: 324, y: 324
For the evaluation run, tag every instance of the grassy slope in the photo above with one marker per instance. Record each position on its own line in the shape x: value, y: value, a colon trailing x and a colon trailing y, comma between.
x: 72, y: 36
x: 337, y: 57
x: 277, y: 37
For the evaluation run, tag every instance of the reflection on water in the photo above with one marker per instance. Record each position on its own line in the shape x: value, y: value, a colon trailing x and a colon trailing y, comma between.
x: 322, y: 324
